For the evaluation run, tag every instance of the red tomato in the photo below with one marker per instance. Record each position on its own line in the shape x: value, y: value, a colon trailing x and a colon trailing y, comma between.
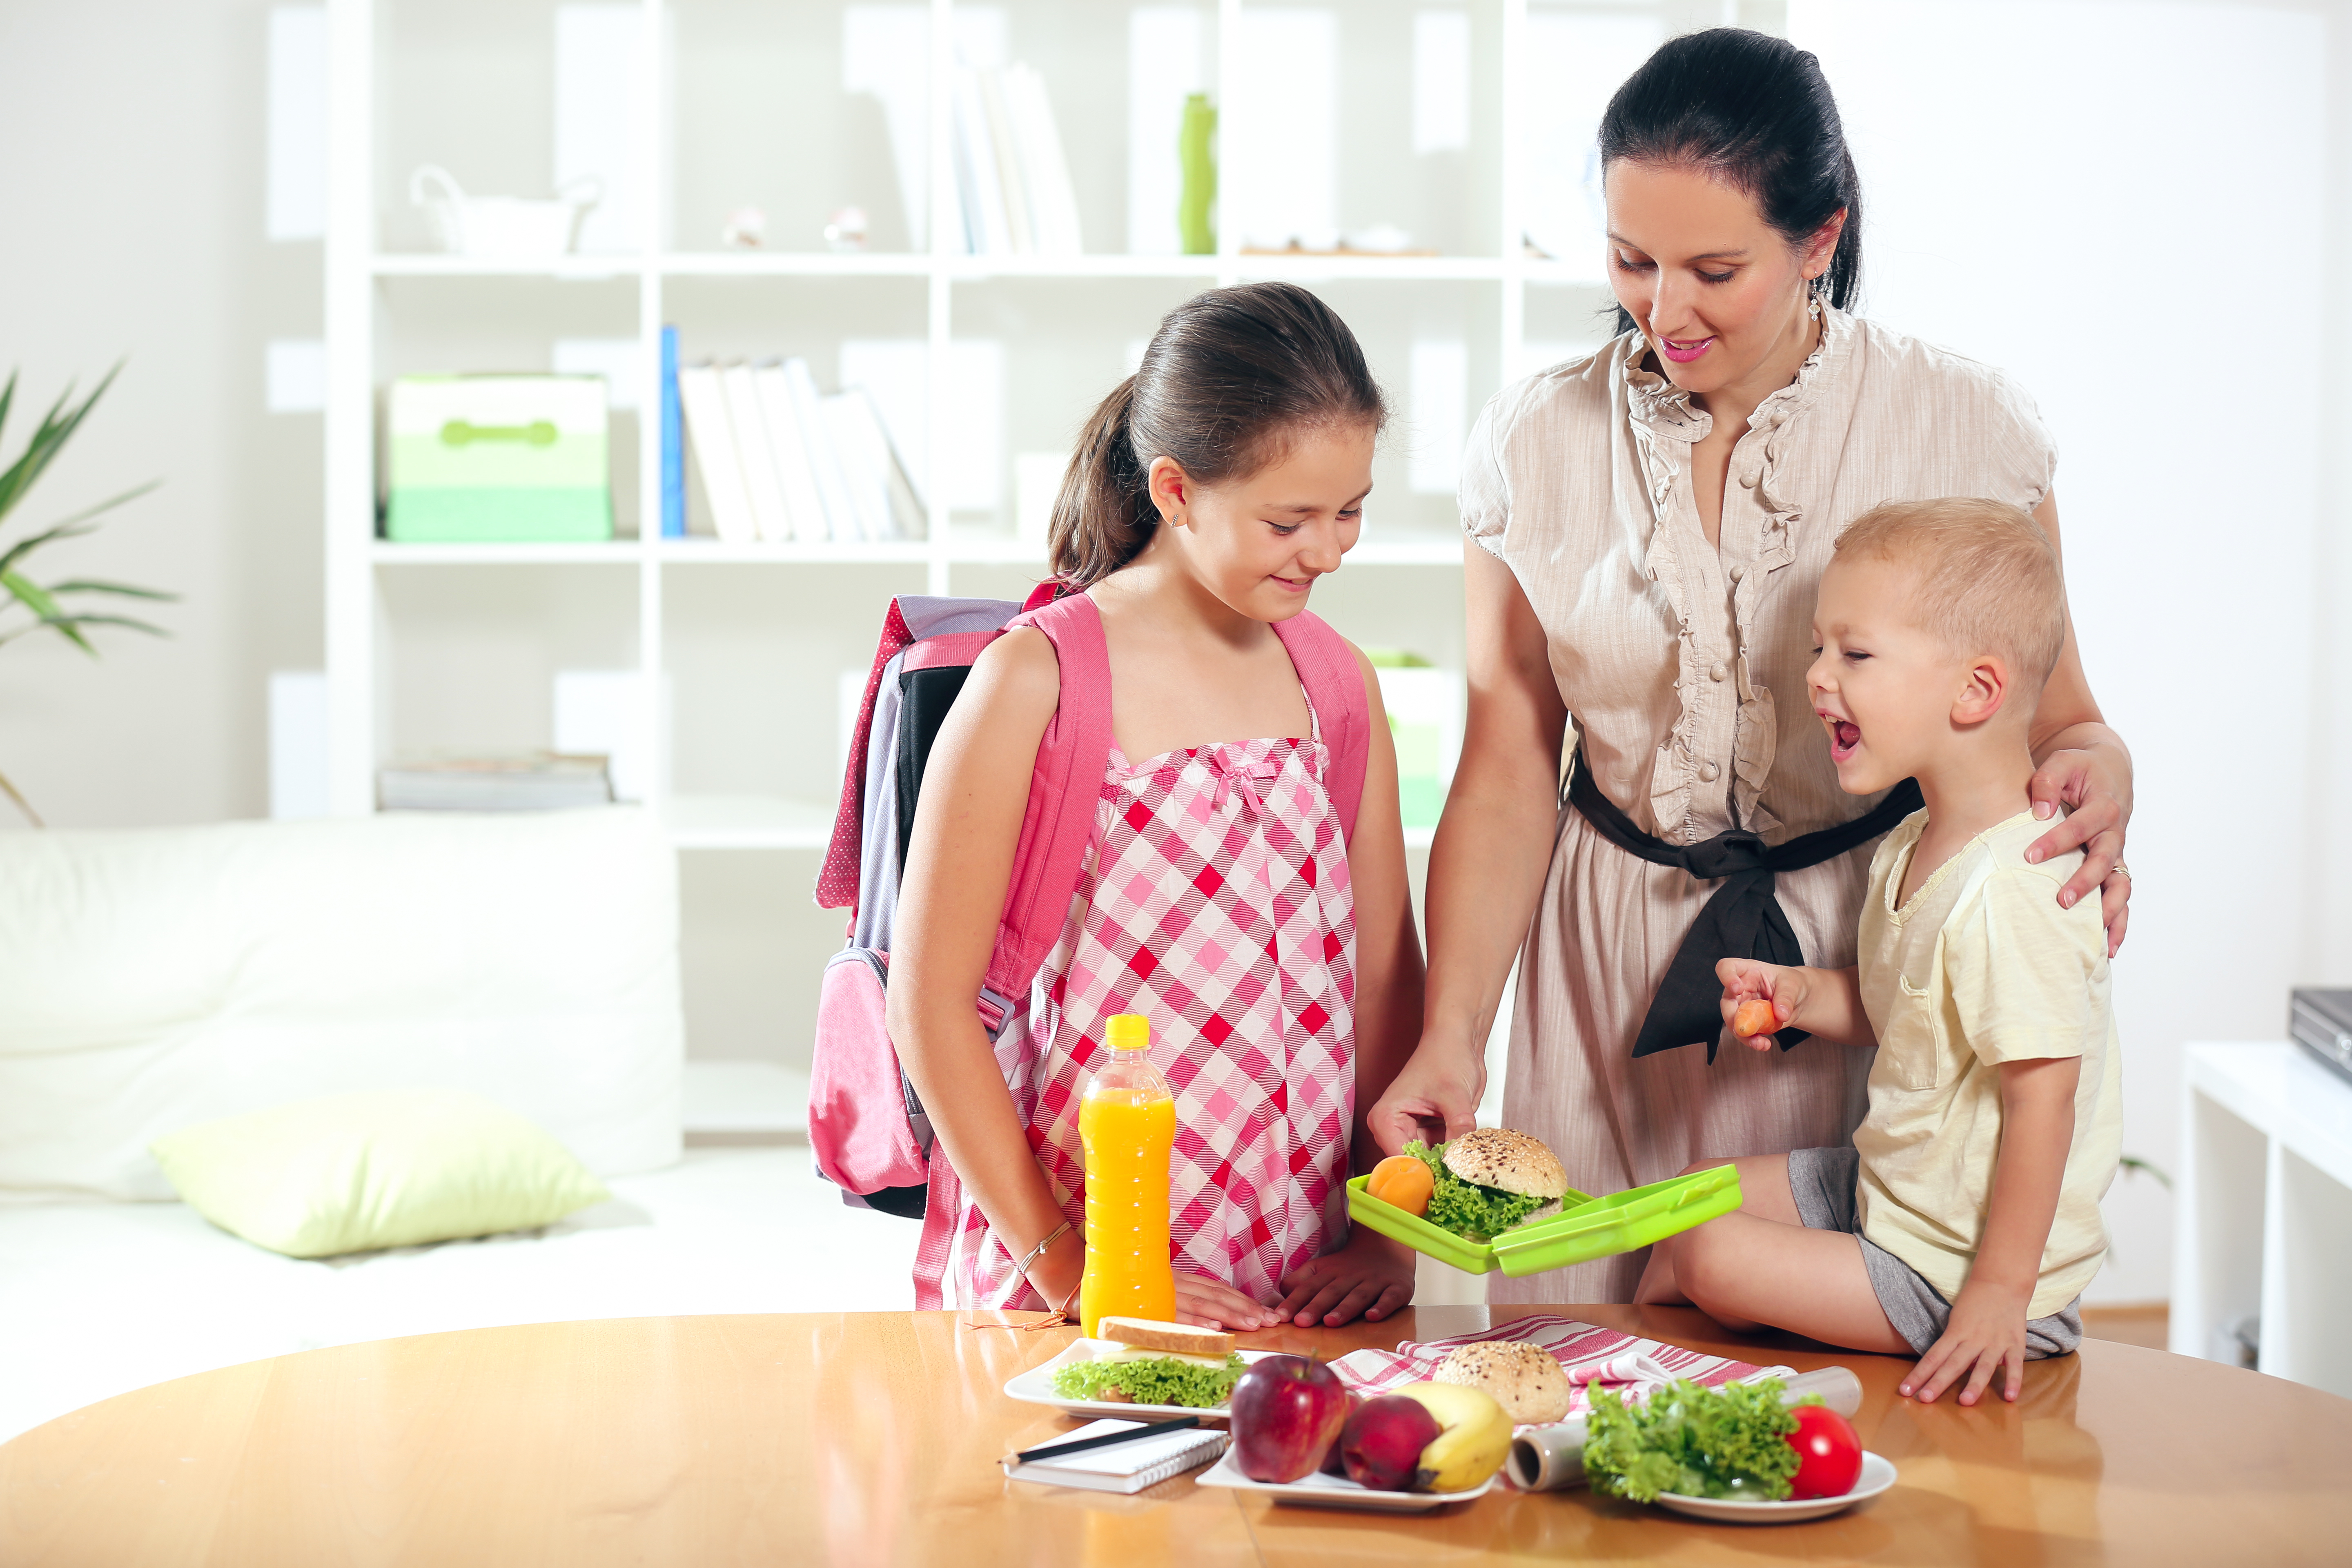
x: 1829, y: 1456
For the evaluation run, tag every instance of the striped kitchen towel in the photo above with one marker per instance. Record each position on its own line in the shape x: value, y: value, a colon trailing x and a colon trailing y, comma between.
x: 1633, y: 1367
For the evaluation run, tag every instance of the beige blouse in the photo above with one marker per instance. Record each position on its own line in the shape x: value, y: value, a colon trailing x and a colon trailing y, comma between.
x: 1683, y: 669
x: 1683, y: 666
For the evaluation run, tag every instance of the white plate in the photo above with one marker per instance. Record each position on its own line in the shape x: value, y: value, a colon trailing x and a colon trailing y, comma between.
x: 1321, y: 1490
x: 1877, y: 1475
x: 1036, y: 1386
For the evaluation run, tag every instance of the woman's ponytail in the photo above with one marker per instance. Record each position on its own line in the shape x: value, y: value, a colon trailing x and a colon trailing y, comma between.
x: 1226, y: 378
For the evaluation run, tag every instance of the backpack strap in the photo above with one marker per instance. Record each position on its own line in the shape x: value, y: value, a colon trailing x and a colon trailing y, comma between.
x: 1062, y: 789
x: 836, y: 880
x: 1335, y: 685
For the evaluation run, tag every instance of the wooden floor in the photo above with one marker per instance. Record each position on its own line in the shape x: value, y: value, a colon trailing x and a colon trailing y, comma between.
x: 2144, y: 1325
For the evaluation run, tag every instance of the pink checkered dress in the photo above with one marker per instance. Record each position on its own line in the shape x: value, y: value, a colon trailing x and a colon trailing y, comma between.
x: 1215, y: 902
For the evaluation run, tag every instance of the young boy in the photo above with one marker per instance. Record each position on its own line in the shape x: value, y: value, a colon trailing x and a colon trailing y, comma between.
x: 1972, y: 1190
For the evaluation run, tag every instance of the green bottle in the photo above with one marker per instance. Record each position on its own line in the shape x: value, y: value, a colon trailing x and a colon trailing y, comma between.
x: 1196, y: 152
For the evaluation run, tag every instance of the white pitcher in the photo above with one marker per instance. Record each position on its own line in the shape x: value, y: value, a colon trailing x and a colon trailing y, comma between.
x: 507, y: 226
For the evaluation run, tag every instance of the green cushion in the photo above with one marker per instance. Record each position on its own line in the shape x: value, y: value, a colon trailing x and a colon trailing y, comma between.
x: 386, y: 1168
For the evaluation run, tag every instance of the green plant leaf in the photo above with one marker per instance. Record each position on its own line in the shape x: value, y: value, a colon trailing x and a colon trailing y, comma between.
x: 56, y: 427
x: 7, y: 397
x: 23, y: 547
x: 93, y: 585
x: 109, y: 504
x: 61, y: 622
x: 36, y: 599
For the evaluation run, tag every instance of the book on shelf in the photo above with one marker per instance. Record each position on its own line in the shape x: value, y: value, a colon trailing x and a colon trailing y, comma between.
x: 781, y: 461
x: 898, y: 508
x: 824, y: 453
x: 704, y: 402
x: 673, y: 442
x: 1012, y: 179
x: 788, y: 450
x: 535, y: 781
x: 756, y: 453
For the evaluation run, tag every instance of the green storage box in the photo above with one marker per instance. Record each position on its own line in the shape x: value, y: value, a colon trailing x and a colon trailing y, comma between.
x: 497, y: 459
x: 1586, y: 1228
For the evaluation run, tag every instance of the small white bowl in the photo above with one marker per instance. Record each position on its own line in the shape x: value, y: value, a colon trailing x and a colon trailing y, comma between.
x: 1877, y: 1475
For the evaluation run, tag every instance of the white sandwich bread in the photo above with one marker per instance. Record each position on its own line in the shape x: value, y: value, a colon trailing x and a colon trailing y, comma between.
x: 1526, y: 1380
x: 1142, y: 1339
x: 1509, y: 1161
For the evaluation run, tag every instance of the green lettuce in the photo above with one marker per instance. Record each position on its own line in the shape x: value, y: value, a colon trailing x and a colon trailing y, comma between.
x: 1160, y: 1381
x: 1466, y: 1208
x: 1728, y: 1442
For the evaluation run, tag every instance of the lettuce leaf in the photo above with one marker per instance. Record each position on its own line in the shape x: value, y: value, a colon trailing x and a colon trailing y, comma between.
x: 1163, y: 1380
x: 1728, y: 1442
x: 1466, y: 1208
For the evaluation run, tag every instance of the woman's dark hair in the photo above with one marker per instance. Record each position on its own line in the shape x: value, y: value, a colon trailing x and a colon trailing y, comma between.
x: 1228, y: 379
x: 1754, y: 111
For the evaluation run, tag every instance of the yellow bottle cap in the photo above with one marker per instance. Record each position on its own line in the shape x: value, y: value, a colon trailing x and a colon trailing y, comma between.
x: 1128, y: 1032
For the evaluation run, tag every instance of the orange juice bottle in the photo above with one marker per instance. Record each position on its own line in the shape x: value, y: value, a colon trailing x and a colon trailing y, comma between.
x: 1128, y: 1120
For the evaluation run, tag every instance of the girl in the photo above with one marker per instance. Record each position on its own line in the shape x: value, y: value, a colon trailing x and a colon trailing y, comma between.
x: 1276, y: 957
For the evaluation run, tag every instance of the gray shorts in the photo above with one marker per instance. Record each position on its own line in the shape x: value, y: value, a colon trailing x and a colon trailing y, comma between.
x: 1823, y: 1182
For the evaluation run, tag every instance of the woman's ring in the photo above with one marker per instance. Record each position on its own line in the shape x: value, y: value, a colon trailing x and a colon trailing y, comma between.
x: 2122, y: 870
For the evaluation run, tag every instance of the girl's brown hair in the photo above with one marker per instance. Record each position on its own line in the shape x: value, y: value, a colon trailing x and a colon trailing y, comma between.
x: 1228, y: 379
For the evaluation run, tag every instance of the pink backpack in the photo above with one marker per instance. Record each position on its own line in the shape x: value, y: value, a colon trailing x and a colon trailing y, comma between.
x: 866, y: 1125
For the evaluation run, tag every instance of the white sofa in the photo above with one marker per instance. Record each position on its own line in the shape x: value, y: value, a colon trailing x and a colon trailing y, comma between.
x: 153, y: 979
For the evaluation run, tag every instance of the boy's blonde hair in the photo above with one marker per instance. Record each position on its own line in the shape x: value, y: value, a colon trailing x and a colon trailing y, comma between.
x: 1984, y: 577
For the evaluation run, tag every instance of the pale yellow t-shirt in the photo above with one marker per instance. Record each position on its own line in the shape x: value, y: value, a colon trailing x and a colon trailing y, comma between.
x: 1981, y: 967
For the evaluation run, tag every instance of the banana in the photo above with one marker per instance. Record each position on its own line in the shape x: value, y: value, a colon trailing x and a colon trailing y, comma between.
x: 1474, y: 1439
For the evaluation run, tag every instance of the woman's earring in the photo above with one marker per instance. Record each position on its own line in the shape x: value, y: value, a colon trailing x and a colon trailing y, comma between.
x: 1813, y: 300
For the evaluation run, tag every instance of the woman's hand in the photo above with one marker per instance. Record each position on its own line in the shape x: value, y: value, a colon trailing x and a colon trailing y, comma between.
x: 1370, y: 1276
x: 2097, y: 811
x: 1212, y: 1304
x: 1433, y: 1097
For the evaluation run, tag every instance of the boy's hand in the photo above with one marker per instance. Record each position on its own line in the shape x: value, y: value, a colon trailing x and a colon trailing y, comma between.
x: 1758, y: 999
x: 1371, y: 1276
x: 1985, y: 1334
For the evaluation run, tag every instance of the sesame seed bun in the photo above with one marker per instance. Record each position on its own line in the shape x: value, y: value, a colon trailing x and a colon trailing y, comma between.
x: 1526, y: 1380
x: 1511, y: 1161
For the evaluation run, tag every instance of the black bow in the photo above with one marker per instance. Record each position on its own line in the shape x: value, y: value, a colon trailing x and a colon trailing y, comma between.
x: 1743, y: 919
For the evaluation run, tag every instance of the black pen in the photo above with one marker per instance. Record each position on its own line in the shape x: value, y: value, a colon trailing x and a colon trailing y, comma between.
x: 1054, y: 1450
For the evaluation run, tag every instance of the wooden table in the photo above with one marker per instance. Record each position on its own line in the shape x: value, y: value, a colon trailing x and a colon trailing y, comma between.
x: 873, y: 1438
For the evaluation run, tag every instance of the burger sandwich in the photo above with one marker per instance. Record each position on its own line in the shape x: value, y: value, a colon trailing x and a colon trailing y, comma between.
x: 1488, y: 1180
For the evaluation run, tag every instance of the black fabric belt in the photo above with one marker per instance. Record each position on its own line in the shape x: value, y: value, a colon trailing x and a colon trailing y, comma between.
x: 1743, y: 919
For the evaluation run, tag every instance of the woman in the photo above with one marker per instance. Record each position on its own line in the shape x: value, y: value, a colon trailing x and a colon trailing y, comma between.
x: 1647, y: 529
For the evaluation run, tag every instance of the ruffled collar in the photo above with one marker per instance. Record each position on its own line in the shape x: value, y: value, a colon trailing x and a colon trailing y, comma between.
x: 1658, y: 404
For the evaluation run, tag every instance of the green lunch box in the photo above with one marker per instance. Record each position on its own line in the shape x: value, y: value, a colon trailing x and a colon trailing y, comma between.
x: 1587, y: 1227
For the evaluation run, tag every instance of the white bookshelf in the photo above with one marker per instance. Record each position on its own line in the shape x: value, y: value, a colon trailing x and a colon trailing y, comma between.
x: 668, y: 609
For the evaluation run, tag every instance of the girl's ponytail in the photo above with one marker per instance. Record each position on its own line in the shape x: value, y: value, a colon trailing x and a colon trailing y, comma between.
x: 1225, y: 380
x: 1103, y: 516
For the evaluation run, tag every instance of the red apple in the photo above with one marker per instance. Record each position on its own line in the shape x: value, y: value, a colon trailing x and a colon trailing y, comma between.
x: 1286, y: 1413
x: 1333, y: 1463
x: 1383, y: 1443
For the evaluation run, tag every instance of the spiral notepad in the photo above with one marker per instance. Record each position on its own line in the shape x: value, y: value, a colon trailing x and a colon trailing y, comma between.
x: 1124, y: 1467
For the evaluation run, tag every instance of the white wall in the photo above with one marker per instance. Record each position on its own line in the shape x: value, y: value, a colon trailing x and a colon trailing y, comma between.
x: 2121, y: 203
